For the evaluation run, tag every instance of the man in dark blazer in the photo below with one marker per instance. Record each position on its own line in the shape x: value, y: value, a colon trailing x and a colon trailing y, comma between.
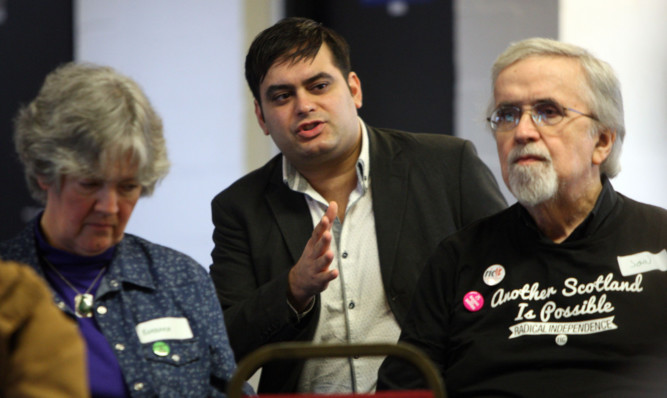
x: 341, y: 196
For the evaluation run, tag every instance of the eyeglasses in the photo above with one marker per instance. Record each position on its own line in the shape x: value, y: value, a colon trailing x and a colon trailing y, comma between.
x: 544, y: 113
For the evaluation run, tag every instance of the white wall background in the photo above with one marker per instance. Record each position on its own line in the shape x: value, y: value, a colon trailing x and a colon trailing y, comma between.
x: 188, y: 57
x: 631, y: 35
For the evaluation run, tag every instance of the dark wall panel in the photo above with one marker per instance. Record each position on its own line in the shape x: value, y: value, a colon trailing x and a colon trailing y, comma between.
x: 35, y: 37
x: 403, y: 54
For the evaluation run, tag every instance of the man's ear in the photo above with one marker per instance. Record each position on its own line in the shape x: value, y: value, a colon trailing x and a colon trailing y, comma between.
x: 603, y: 146
x: 355, y: 89
x: 260, y: 117
x: 42, y: 183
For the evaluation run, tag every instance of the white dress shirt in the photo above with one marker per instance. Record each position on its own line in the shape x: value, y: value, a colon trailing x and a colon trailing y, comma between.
x: 354, y: 305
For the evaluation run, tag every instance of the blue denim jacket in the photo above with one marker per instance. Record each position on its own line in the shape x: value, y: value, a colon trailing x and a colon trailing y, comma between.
x: 148, y: 282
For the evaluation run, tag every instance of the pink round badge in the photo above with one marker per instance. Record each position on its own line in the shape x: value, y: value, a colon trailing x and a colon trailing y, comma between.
x: 473, y: 301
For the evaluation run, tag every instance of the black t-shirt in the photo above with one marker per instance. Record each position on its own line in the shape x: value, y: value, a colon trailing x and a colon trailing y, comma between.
x: 503, y: 311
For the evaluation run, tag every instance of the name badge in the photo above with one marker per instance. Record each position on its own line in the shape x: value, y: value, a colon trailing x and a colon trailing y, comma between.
x: 164, y: 329
x: 643, y: 262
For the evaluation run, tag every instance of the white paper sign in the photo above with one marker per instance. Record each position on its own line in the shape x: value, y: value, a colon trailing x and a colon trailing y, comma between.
x: 643, y: 262
x: 164, y: 329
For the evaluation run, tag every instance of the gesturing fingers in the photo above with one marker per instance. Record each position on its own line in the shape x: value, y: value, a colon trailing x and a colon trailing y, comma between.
x: 320, y: 240
x: 311, y: 274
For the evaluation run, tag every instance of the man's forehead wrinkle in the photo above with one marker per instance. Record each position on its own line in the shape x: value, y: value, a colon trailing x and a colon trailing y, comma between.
x: 530, y: 101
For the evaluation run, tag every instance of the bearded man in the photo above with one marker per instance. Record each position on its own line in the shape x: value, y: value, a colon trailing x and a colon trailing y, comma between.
x: 564, y: 293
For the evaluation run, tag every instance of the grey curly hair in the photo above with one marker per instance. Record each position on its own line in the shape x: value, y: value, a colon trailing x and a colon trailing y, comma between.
x: 85, y: 118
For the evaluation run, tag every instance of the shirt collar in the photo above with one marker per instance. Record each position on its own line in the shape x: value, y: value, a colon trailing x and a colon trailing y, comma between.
x: 296, y: 182
x: 603, y: 207
x: 132, y: 264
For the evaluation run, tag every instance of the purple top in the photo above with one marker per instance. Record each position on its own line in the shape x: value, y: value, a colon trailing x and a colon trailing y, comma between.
x: 104, y: 374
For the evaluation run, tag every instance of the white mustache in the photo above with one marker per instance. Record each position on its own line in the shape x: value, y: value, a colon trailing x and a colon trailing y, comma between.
x: 531, y: 149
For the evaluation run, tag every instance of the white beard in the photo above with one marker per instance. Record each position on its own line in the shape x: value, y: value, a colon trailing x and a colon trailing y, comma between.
x: 535, y: 183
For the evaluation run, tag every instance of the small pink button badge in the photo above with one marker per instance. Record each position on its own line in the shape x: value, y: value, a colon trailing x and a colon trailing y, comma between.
x: 473, y: 301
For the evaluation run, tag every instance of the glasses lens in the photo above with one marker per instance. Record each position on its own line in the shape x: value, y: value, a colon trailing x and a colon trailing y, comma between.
x: 548, y: 113
x: 505, y: 118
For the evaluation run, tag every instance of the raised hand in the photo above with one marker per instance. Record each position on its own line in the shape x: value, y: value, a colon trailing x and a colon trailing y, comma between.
x: 311, y: 274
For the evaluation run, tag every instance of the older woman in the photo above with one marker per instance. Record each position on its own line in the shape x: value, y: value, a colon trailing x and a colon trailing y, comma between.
x: 92, y: 145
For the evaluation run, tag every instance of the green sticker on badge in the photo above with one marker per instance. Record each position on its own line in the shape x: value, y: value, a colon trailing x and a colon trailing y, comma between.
x: 160, y: 348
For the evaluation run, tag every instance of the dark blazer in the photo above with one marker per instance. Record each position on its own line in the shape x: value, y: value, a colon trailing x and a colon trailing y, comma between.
x: 425, y: 187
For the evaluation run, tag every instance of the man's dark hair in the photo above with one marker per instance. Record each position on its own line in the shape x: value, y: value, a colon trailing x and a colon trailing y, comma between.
x: 292, y: 40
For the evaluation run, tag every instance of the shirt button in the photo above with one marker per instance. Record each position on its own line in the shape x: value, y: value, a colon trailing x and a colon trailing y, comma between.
x: 351, y: 305
x: 119, y: 347
x: 61, y: 305
x: 176, y: 357
x: 114, y: 283
x: 344, y: 254
x: 101, y: 310
x: 138, y: 386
